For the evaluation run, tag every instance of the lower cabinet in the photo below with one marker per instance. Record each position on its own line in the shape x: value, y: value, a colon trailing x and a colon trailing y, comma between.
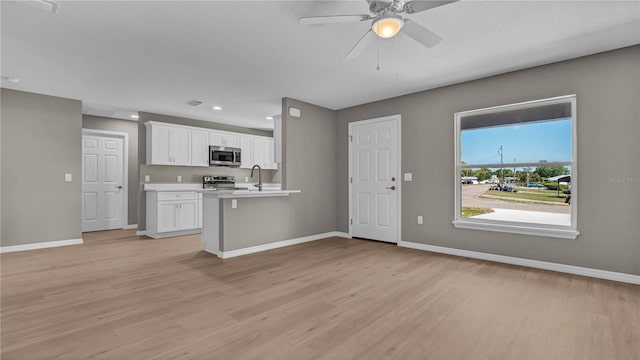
x: 173, y: 213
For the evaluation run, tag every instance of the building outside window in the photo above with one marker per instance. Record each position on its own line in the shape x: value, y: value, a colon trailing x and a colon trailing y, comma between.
x: 516, y: 168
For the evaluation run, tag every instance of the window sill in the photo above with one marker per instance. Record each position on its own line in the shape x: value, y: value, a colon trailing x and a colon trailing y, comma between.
x: 518, y: 229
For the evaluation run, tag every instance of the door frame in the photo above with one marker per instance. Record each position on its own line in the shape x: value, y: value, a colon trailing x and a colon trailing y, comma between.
x: 125, y: 164
x: 398, y: 119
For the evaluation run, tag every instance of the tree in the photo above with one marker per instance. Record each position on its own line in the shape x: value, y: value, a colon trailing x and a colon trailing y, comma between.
x: 550, y: 171
x: 483, y: 174
x: 465, y: 172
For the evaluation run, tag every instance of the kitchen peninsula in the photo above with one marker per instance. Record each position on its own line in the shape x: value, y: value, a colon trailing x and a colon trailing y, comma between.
x: 218, y: 235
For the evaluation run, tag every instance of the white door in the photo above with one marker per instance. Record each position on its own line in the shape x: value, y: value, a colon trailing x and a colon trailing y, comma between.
x: 102, y: 182
x: 374, y: 172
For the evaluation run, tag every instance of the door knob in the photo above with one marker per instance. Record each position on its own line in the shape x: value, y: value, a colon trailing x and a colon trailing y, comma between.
x: 118, y: 186
x: 391, y: 187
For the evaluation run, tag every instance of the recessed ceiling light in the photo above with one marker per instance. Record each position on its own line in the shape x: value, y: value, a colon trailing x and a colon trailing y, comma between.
x: 269, y: 118
x: 134, y: 116
x: 217, y: 108
x: 11, y: 80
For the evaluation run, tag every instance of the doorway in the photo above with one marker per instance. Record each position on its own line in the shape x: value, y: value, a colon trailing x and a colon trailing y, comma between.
x: 104, y: 180
x: 374, y: 179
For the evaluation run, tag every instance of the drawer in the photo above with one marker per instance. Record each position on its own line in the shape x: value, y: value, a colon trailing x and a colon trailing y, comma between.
x: 177, y: 196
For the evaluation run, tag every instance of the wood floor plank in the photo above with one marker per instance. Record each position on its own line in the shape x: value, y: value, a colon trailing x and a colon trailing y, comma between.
x: 121, y: 296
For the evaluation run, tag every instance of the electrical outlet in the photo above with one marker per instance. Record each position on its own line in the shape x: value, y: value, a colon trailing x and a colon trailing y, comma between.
x: 408, y: 177
x: 68, y: 177
x: 234, y: 203
x: 147, y: 178
x: 420, y: 220
x: 179, y: 178
x: 246, y: 179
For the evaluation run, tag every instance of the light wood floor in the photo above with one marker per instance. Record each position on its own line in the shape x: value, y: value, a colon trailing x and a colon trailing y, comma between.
x: 120, y: 296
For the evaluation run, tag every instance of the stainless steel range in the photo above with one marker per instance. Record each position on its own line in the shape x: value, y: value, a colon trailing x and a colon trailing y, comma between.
x: 219, y: 182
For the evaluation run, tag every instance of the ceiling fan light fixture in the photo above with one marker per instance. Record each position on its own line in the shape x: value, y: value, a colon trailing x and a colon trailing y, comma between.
x: 387, y: 26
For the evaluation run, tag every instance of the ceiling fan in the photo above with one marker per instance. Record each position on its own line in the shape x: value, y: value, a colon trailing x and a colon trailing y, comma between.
x: 386, y: 22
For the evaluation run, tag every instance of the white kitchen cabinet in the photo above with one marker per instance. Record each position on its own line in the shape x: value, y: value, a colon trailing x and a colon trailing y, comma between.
x: 259, y: 156
x: 246, y: 155
x: 199, y: 147
x: 257, y: 150
x: 168, y: 144
x: 173, y: 213
x: 224, y: 139
x: 171, y: 144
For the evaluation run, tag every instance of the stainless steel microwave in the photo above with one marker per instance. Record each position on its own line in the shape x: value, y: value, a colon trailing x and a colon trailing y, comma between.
x: 224, y: 156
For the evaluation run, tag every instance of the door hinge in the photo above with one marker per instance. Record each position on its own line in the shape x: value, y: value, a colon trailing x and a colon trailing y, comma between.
x: 350, y: 138
x: 351, y: 180
x: 351, y: 221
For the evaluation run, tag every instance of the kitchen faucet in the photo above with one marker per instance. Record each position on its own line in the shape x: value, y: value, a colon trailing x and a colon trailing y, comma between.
x: 259, y: 184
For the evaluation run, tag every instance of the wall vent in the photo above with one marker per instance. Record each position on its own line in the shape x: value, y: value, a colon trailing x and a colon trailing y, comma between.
x: 194, y: 103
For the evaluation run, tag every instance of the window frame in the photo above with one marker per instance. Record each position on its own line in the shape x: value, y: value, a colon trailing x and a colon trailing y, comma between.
x: 547, y: 230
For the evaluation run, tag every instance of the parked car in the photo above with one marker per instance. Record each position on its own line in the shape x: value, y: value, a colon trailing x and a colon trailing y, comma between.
x: 501, y: 187
x: 535, y: 185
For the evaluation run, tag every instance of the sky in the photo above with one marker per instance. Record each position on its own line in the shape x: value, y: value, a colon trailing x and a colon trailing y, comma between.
x: 532, y: 142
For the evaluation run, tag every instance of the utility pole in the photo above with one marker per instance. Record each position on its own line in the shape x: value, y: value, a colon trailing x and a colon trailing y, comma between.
x: 501, y: 164
x: 514, y: 171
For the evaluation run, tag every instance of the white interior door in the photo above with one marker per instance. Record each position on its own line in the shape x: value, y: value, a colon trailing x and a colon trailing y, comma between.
x: 102, y: 182
x: 374, y: 172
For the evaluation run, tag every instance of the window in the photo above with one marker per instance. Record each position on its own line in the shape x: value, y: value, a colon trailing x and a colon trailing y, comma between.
x: 516, y: 168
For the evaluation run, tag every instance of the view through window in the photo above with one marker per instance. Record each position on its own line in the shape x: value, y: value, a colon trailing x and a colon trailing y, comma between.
x: 515, y: 164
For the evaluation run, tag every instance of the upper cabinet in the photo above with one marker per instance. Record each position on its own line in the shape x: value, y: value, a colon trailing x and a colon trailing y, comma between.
x: 199, y: 147
x: 224, y: 139
x: 168, y: 144
x: 171, y: 144
x: 246, y: 151
x: 258, y: 150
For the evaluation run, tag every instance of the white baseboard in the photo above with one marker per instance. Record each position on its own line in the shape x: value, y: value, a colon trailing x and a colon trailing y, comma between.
x: 275, y: 245
x: 41, y: 245
x: 131, y: 226
x: 342, y: 234
x: 141, y: 232
x: 569, y: 269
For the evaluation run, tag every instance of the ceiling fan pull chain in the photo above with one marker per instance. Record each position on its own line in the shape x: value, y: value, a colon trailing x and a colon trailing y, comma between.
x: 395, y: 55
x: 378, y: 53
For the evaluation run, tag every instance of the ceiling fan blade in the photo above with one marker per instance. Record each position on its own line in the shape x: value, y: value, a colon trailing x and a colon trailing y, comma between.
x: 420, y: 34
x: 357, y: 49
x: 332, y: 19
x: 415, y: 6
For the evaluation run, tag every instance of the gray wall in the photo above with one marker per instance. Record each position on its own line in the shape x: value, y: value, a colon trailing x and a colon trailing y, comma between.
x: 131, y: 128
x: 608, y: 92
x: 309, y: 156
x: 41, y: 138
x: 190, y: 174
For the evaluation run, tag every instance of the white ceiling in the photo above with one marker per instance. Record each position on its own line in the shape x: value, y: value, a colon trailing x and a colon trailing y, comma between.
x: 120, y: 56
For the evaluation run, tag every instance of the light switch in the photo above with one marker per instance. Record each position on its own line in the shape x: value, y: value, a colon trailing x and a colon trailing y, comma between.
x: 147, y: 178
x: 420, y: 220
x: 179, y: 178
x: 68, y: 177
x: 234, y: 203
x: 408, y: 177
